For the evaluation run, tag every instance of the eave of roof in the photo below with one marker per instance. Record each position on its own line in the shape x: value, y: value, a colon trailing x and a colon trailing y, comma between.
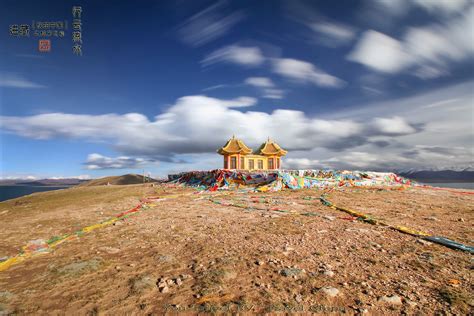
x: 234, y: 146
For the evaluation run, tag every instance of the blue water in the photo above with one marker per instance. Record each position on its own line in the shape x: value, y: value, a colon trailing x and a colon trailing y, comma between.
x: 13, y: 191
x: 455, y: 185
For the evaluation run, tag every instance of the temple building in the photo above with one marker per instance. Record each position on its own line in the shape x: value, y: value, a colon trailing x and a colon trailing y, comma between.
x: 237, y: 155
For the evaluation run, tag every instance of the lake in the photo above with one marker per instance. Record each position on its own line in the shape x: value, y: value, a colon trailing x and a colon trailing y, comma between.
x: 455, y: 185
x: 13, y: 191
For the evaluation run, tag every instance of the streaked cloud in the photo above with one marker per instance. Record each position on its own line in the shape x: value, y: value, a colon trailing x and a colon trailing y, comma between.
x: 320, y: 29
x: 215, y: 87
x: 331, y: 33
x: 235, y: 54
x: 261, y: 82
x: 426, y: 51
x: 273, y: 93
x: 266, y: 87
x: 11, y: 80
x: 209, y: 24
x: 304, y: 72
x: 401, y: 7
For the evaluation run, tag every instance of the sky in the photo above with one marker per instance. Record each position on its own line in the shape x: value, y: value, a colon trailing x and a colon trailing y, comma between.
x: 161, y: 85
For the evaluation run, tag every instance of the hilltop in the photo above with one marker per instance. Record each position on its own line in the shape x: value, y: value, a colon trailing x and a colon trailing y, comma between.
x: 234, y: 251
x: 118, y: 180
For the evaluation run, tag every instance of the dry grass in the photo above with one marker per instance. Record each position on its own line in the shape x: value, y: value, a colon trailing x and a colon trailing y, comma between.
x: 114, y: 270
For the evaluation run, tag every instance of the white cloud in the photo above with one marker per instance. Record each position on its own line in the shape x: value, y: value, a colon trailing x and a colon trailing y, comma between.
x: 393, y: 126
x: 334, y: 34
x: 19, y: 177
x: 266, y: 86
x: 194, y: 124
x: 80, y: 177
x: 355, y: 159
x: 441, y: 103
x: 273, y: 93
x: 399, y: 8
x: 10, y: 80
x: 430, y: 72
x: 305, y: 72
x: 379, y: 52
x: 443, y: 6
x: 215, y: 87
x: 261, y: 82
x: 208, y: 24
x: 428, y: 130
x: 98, y: 162
x: 302, y: 163
x: 235, y: 54
x: 322, y: 30
x: 240, y: 102
x: 429, y: 49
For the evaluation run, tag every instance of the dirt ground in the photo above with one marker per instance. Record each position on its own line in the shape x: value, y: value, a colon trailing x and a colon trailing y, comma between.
x: 238, y: 252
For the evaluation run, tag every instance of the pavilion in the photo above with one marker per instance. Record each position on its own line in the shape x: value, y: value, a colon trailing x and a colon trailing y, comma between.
x: 237, y: 155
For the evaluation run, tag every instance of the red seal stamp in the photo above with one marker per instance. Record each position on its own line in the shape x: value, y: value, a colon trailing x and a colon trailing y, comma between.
x: 44, y: 45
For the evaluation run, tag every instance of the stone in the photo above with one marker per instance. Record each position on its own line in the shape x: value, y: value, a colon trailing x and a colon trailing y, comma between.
x: 289, y: 272
x: 367, y: 292
x: 328, y: 273
x: 164, y: 289
x: 185, y: 276
x: 329, y: 218
x: 298, y: 298
x: 411, y: 303
x: 259, y: 262
x: 178, y: 281
x: 392, y: 299
x: 330, y: 291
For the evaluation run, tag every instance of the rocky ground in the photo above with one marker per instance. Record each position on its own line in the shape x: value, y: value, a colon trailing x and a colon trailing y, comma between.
x: 231, y: 252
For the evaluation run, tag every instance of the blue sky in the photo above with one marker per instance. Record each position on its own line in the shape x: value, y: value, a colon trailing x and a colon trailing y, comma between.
x: 369, y: 84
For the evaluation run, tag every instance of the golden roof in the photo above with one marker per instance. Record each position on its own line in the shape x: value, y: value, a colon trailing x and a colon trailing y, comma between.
x: 234, y: 146
x: 270, y: 148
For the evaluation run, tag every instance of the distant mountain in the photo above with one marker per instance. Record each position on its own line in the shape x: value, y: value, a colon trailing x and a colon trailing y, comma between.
x: 118, y: 180
x: 438, y: 176
x: 43, y: 182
